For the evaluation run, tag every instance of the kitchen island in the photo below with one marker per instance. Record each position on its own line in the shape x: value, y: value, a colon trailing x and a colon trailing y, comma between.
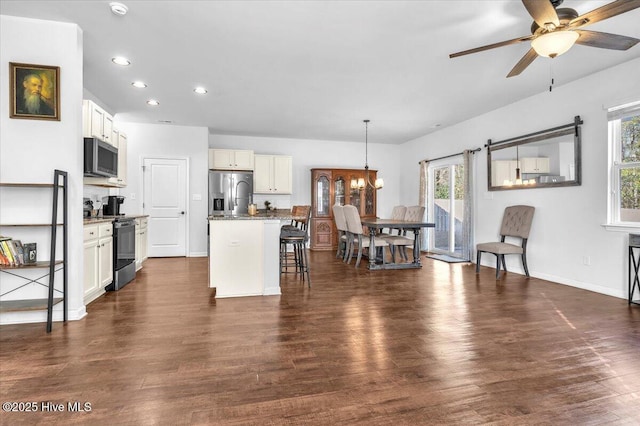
x: 244, y: 254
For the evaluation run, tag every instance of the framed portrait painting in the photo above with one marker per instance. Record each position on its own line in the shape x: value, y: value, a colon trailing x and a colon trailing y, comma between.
x: 34, y: 91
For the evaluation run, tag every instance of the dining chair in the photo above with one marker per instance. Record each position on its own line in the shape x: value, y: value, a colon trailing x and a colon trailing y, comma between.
x: 397, y: 213
x: 516, y: 223
x: 354, y: 225
x: 401, y: 242
x: 343, y: 231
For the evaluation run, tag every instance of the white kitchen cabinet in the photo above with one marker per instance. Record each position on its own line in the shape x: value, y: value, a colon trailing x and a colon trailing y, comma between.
x: 503, y: 170
x: 273, y: 174
x: 121, y: 180
x: 106, y: 255
x: 229, y: 159
x: 141, y: 241
x: 97, y: 123
x: 91, y: 287
x: 535, y: 165
x: 98, y: 259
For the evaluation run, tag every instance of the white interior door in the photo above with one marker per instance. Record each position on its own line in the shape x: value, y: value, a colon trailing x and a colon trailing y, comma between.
x: 165, y: 182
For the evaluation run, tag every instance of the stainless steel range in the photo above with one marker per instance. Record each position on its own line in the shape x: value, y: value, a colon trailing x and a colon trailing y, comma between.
x: 124, y: 253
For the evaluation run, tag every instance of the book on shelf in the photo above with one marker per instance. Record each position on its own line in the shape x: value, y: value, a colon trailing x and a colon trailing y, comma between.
x: 7, y: 252
x: 4, y: 259
x: 17, y: 246
x: 12, y: 252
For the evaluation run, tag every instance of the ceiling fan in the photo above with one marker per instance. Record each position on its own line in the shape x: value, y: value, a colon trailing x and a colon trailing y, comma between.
x: 554, y: 31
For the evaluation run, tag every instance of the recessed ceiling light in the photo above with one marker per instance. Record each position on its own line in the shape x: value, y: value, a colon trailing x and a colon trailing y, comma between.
x: 139, y: 84
x: 119, y: 60
x: 118, y: 8
x: 200, y: 90
x: 153, y: 102
x: 435, y: 126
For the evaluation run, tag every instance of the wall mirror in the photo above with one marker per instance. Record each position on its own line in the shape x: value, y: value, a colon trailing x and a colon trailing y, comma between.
x: 544, y: 159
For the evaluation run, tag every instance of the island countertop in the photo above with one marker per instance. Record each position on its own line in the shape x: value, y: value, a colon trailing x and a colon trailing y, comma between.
x: 277, y: 215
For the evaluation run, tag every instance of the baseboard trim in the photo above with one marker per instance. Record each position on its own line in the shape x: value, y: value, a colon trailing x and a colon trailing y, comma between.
x: 27, y: 317
x: 198, y: 254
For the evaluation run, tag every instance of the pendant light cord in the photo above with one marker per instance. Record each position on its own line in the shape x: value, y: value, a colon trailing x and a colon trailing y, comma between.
x: 366, y: 144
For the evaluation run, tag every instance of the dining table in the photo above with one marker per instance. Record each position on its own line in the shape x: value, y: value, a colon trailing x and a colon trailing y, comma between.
x: 375, y: 225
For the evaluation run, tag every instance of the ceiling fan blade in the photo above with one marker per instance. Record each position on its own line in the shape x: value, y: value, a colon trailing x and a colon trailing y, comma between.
x: 491, y: 46
x: 542, y: 11
x: 605, y: 40
x: 526, y: 60
x: 607, y: 11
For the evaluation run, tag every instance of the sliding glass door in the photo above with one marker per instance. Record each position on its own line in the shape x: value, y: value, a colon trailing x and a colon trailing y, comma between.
x: 446, y: 208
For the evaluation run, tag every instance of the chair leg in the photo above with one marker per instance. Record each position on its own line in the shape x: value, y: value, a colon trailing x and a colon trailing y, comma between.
x: 504, y: 264
x: 497, y: 266
x: 478, y: 262
x: 305, y: 260
x: 393, y: 253
x: 524, y: 264
x: 360, y: 255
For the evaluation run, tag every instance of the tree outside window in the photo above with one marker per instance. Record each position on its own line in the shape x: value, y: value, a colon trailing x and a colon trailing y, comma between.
x: 625, y: 180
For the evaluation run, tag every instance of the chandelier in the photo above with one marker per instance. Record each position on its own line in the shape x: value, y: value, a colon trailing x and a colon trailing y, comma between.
x: 362, y: 183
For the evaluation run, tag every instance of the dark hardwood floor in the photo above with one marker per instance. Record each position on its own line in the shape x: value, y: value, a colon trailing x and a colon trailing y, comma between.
x: 439, y: 345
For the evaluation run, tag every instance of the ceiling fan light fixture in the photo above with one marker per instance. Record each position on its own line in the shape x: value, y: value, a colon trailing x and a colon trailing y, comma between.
x: 555, y: 43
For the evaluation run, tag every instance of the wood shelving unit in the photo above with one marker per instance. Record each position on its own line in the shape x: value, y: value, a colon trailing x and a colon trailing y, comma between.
x: 60, y: 181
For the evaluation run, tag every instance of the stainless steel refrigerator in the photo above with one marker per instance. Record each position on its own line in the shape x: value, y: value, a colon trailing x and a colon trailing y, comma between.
x: 230, y: 193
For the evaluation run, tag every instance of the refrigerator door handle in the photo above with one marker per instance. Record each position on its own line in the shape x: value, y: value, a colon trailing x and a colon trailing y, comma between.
x: 232, y: 200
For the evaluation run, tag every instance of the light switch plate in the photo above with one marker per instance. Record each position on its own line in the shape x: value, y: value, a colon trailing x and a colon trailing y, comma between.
x: 196, y: 197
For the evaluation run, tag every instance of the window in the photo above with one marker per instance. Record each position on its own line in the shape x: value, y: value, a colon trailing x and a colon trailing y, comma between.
x: 624, y: 178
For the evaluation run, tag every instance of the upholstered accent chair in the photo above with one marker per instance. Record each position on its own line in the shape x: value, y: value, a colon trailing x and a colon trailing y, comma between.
x: 516, y: 223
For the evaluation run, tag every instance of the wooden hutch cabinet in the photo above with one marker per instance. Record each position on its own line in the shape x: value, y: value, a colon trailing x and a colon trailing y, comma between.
x: 333, y: 186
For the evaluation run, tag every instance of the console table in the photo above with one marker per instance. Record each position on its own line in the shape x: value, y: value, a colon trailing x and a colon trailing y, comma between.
x: 634, y: 267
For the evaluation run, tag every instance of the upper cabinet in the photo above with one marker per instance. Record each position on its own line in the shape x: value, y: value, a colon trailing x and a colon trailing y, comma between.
x: 97, y: 123
x: 535, y: 165
x: 121, y: 180
x: 229, y: 159
x: 273, y: 174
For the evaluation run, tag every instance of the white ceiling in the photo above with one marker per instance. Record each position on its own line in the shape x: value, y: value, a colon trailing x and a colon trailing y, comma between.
x: 316, y: 69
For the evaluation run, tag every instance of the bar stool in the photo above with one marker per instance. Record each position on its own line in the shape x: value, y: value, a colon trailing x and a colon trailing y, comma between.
x: 297, y: 236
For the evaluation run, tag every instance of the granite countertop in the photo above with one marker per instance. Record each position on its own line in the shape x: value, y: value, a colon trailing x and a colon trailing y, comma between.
x: 101, y: 219
x: 261, y: 215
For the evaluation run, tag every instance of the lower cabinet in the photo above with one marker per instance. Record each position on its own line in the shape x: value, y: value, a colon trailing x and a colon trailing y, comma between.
x: 98, y: 259
x: 141, y: 241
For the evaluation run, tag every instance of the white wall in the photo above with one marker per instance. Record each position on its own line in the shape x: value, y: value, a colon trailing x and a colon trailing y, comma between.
x: 308, y: 154
x: 31, y: 149
x: 167, y: 141
x: 567, y: 225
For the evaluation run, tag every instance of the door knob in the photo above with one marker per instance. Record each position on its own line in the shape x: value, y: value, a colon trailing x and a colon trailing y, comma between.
x: 181, y: 212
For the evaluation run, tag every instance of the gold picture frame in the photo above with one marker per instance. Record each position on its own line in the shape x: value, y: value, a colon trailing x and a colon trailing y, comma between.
x: 34, y: 91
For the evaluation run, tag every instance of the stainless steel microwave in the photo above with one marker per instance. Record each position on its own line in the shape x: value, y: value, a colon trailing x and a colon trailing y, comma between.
x: 100, y: 158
